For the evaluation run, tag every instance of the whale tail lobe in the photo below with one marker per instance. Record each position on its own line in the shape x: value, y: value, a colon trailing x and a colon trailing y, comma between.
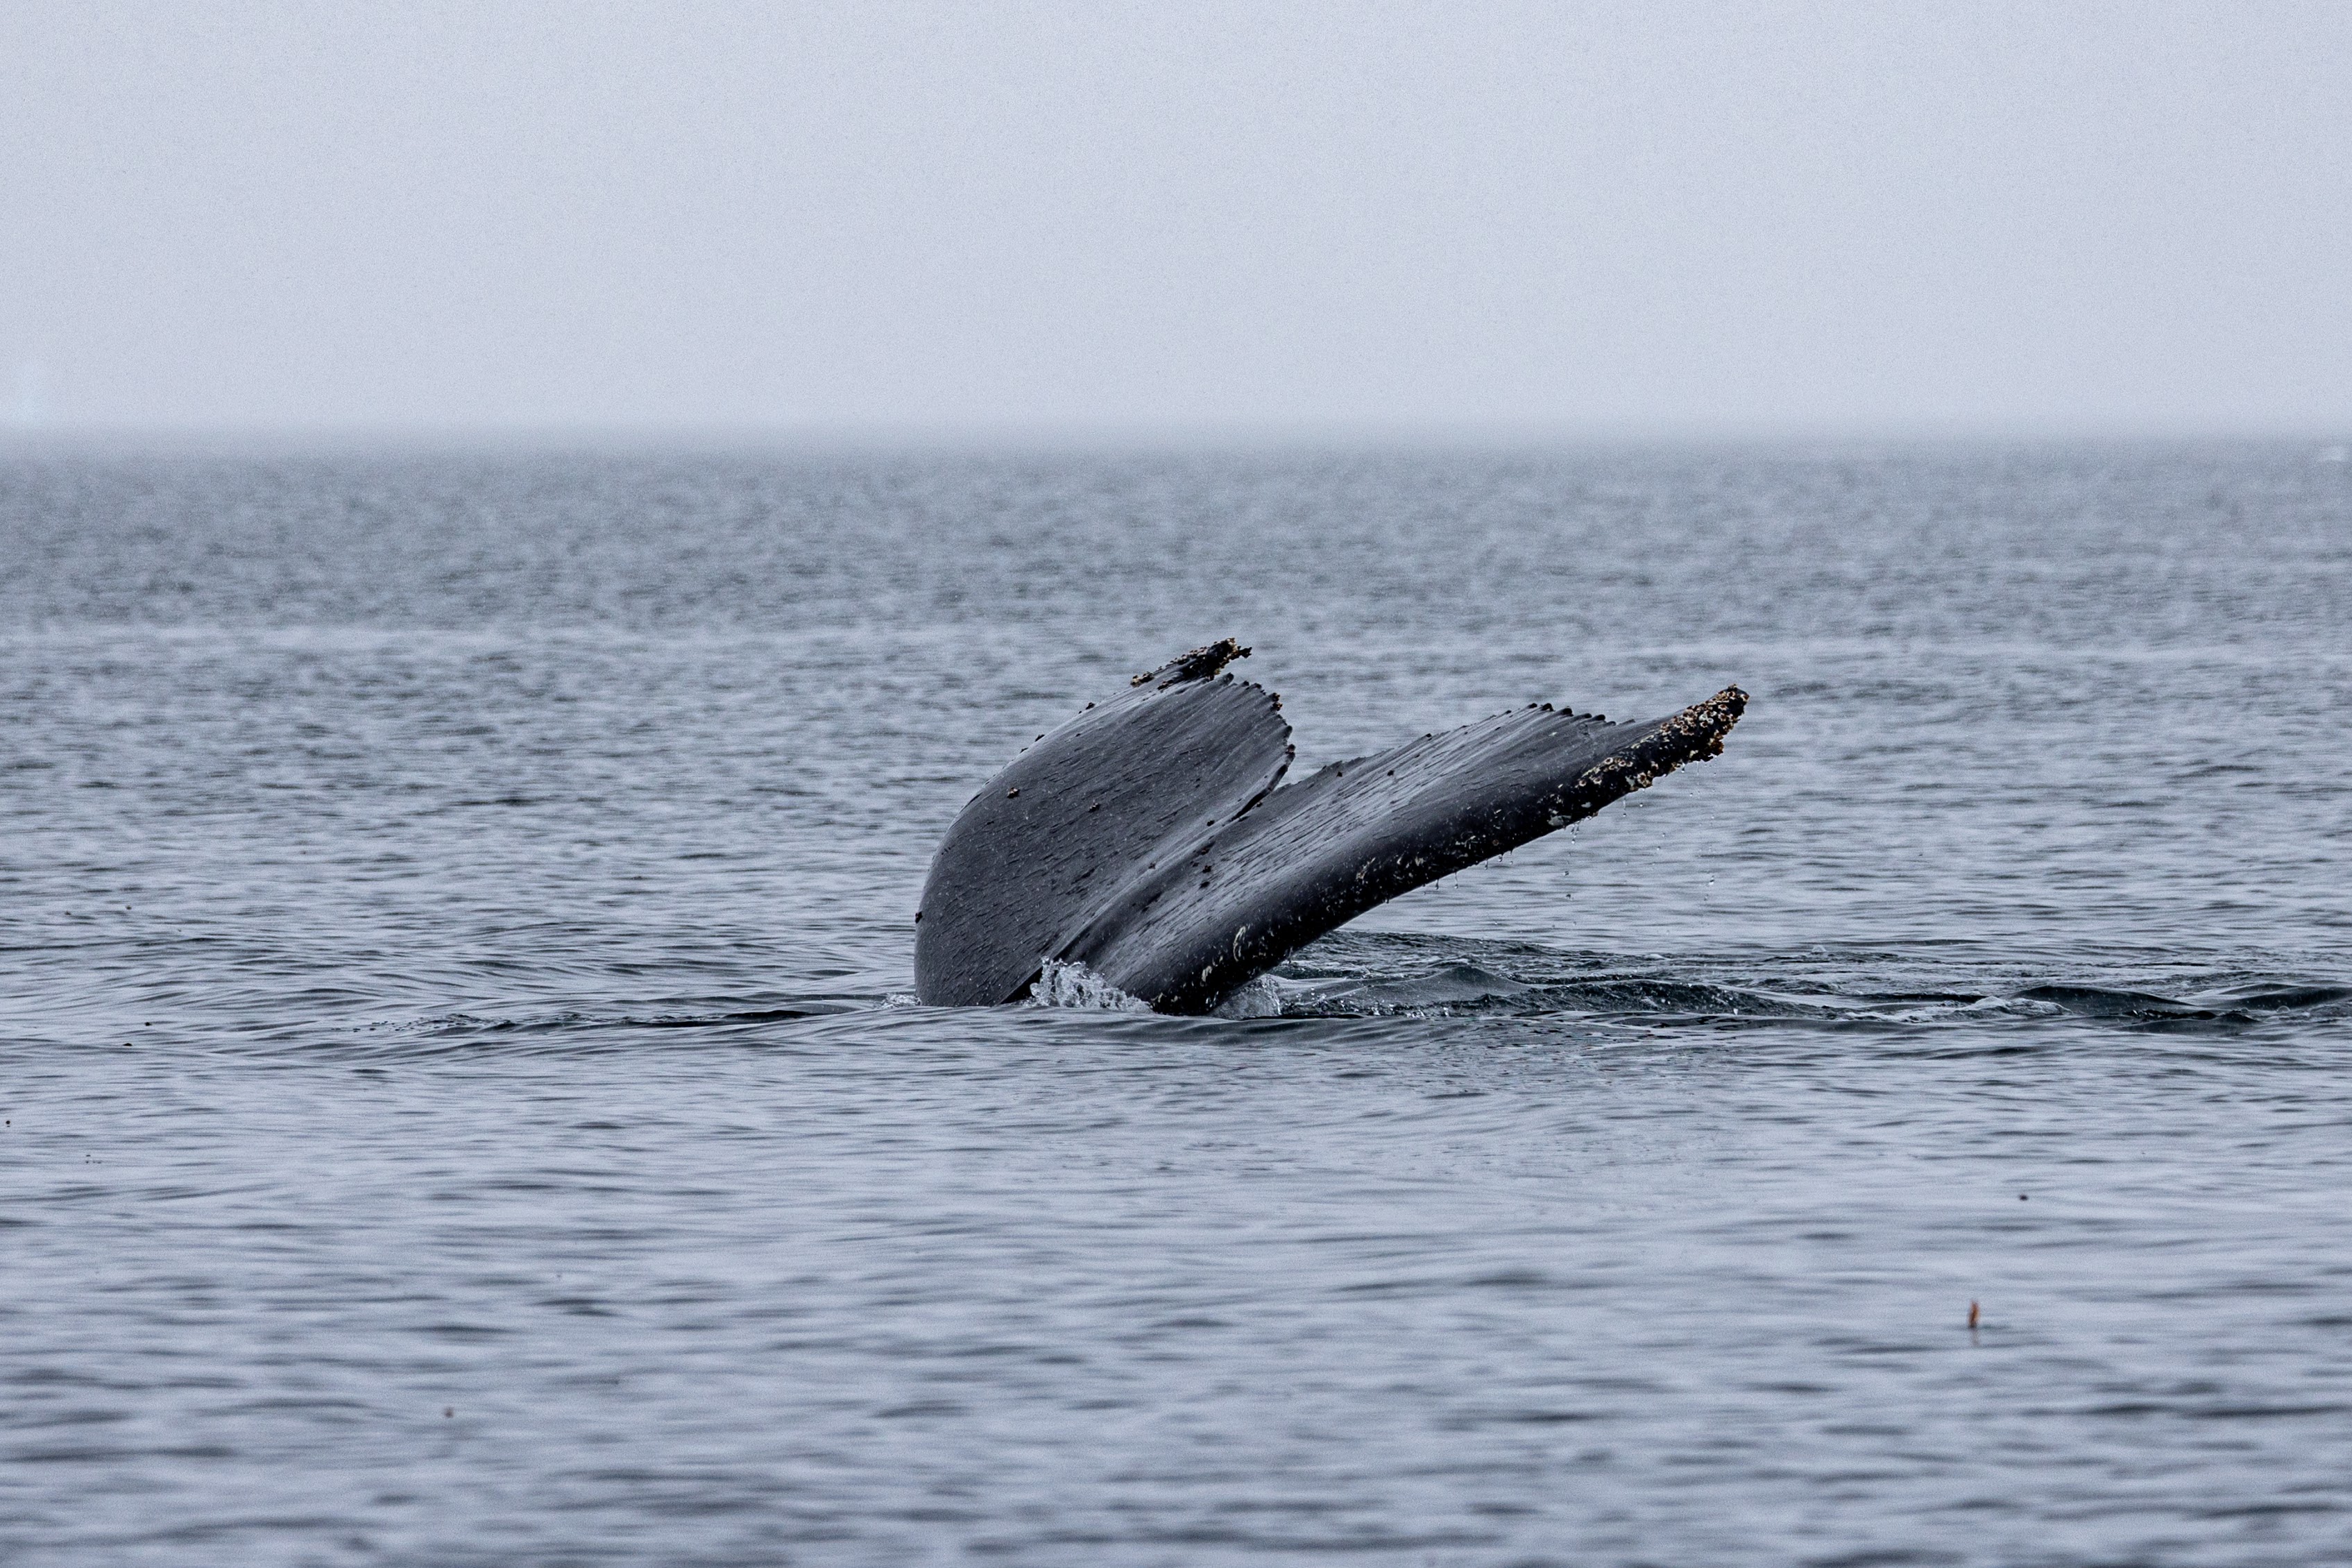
x: 1152, y: 839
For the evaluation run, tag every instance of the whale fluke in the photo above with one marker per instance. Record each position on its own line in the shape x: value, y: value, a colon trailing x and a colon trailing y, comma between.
x: 1151, y: 839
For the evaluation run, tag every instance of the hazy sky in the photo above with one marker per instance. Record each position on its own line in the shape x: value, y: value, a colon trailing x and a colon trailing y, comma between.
x: 1582, y: 218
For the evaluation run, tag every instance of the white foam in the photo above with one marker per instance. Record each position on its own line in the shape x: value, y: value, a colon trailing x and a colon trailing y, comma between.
x: 1063, y: 984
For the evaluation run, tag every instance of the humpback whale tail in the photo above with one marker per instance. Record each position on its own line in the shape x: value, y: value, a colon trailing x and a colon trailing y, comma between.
x: 1151, y: 837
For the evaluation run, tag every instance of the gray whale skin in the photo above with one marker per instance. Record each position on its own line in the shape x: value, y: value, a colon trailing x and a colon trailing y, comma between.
x: 1146, y: 839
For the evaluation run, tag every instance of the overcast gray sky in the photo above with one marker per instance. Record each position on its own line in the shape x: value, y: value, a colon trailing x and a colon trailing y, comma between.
x: 1583, y: 218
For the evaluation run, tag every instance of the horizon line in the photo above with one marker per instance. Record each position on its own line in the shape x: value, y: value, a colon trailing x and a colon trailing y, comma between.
x: 131, y: 439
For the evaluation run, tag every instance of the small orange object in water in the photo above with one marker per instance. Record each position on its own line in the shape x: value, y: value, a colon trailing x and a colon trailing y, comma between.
x: 1972, y: 1314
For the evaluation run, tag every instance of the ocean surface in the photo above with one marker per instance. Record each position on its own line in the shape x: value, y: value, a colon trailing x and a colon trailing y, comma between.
x: 462, y: 1105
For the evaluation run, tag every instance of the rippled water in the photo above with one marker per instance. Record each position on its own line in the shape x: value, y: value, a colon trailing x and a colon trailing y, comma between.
x: 456, y: 1109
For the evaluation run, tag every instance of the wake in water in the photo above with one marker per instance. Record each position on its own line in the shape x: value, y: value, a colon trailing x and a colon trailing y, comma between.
x: 1376, y: 974
x: 1355, y: 975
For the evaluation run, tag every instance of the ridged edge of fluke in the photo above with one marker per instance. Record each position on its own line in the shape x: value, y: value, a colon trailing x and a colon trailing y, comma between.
x: 1197, y: 665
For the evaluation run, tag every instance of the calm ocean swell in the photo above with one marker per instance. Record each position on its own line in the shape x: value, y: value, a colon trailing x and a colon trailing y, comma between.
x: 461, y: 1106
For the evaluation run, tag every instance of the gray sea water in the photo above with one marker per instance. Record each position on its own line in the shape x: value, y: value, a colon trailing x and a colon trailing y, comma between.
x: 460, y: 1105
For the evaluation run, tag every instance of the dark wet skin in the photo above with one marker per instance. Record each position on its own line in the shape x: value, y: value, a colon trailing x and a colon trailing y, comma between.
x: 1151, y: 839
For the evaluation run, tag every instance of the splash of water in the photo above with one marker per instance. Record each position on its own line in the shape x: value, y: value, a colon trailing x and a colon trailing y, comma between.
x: 1060, y: 984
